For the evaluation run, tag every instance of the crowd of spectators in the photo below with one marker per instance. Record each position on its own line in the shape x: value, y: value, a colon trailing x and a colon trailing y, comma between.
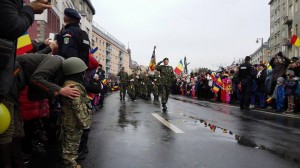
x: 276, y: 85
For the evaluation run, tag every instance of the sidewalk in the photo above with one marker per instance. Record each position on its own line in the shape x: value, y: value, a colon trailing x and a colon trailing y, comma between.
x: 259, y: 110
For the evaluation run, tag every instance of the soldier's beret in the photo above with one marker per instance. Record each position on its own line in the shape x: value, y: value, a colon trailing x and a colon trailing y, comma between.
x: 72, y: 13
x: 166, y: 59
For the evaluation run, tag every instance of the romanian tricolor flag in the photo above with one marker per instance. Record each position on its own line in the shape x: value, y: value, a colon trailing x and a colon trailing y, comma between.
x: 24, y: 44
x: 219, y: 82
x: 213, y: 77
x: 152, y: 61
x: 295, y: 41
x: 178, y: 70
x: 216, y: 88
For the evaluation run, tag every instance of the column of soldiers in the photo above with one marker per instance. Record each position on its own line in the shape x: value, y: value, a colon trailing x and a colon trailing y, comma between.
x: 143, y: 84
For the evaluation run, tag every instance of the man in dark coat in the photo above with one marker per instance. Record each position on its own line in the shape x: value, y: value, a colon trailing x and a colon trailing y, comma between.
x: 279, y: 64
x: 16, y: 19
x: 72, y: 41
x: 260, y: 81
x: 246, y: 75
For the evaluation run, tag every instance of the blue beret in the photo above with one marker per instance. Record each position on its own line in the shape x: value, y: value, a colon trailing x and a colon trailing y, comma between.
x: 72, y: 13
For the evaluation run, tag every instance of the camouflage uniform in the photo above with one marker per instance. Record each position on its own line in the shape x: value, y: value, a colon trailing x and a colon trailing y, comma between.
x: 156, y: 85
x: 137, y: 82
x: 149, y: 86
x: 76, y: 116
x: 167, y: 77
x: 143, y: 87
x: 123, y: 83
x: 131, y: 88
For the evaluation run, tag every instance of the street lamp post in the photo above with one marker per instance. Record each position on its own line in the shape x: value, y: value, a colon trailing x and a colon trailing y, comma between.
x: 262, y: 48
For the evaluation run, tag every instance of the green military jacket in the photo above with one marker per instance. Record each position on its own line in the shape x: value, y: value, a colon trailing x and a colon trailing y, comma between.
x: 123, y: 77
x: 167, y: 75
x: 76, y: 112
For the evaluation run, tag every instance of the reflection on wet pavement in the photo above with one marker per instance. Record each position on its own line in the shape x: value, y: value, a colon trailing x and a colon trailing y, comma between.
x: 267, y: 118
x: 123, y: 118
x: 241, y: 140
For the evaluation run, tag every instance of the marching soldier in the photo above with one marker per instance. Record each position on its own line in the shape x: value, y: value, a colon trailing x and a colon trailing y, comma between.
x: 156, y: 85
x: 76, y: 113
x: 167, y: 77
x: 123, y: 83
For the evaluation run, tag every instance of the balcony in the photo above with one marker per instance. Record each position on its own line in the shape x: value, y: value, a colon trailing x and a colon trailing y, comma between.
x: 108, y: 65
x: 108, y: 57
x: 287, y: 20
x: 109, y: 49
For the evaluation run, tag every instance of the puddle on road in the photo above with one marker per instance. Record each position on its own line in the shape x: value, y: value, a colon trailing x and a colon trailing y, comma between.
x: 241, y: 140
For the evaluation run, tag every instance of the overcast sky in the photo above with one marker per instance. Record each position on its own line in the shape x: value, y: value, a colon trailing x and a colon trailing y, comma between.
x: 208, y: 32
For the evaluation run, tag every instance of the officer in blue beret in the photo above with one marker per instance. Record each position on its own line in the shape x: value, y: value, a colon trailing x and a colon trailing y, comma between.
x: 72, y: 40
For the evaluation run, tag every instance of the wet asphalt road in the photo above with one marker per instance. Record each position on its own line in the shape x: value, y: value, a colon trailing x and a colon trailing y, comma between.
x: 128, y: 134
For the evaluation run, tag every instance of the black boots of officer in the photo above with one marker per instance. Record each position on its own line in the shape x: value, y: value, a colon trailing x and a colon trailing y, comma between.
x: 83, y: 147
x: 5, y: 155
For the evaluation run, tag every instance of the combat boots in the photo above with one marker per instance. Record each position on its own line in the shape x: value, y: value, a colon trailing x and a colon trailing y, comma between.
x: 83, y: 147
x: 164, y: 107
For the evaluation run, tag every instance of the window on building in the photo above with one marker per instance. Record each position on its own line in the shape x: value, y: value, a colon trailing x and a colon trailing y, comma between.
x: 96, y: 40
x: 291, y: 8
x: 88, y: 31
x: 296, y: 6
x: 80, y: 6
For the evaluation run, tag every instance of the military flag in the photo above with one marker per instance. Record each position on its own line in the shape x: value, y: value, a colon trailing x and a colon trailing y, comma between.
x: 178, y: 70
x: 153, y: 60
x: 24, y: 44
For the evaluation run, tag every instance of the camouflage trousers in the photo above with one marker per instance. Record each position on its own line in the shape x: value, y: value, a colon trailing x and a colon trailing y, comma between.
x: 131, y: 91
x: 165, y: 92
x: 70, y: 144
x: 15, y: 128
x: 155, y: 91
x: 123, y: 89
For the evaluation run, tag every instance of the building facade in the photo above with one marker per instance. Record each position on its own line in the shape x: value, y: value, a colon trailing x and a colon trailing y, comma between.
x: 51, y: 21
x: 261, y: 55
x: 284, y: 23
x: 86, y: 10
x: 111, y: 52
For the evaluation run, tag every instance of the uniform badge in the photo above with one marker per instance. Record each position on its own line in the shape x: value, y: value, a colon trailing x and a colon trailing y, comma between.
x: 66, y: 40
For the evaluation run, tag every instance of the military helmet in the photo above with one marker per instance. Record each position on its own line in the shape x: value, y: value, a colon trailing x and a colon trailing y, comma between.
x: 73, y: 65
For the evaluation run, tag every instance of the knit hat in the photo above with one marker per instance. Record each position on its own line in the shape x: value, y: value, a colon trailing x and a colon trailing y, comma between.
x: 290, y: 73
x: 280, y: 80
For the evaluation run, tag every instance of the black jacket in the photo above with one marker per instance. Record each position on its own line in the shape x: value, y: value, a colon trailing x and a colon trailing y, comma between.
x: 15, y: 20
x: 260, y: 81
x: 101, y: 74
x: 246, y: 71
x: 74, y: 42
